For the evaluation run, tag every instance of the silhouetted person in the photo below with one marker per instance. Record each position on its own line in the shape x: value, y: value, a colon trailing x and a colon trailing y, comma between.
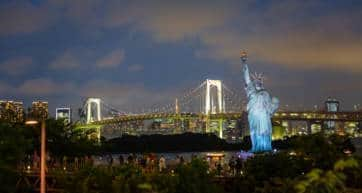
x: 218, y: 168
x: 76, y: 163
x: 238, y: 166
x: 182, y: 160
x: 162, y: 164
x: 110, y: 159
x: 130, y: 159
x: 232, y: 165
x: 121, y: 160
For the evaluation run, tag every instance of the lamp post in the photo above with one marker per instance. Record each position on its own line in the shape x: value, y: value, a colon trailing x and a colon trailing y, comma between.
x: 42, y: 152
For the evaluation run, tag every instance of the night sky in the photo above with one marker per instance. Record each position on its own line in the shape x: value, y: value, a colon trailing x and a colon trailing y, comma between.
x: 134, y: 54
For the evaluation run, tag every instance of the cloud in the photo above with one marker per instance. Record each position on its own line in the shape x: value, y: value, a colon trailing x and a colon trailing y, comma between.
x: 4, y: 87
x: 121, y: 95
x: 21, y: 17
x: 282, y: 37
x: 135, y: 98
x: 84, y: 58
x: 111, y: 60
x: 294, y: 50
x: 43, y: 87
x: 118, y: 14
x: 135, y: 68
x: 16, y: 66
x: 81, y: 12
x: 175, y: 21
x: 65, y: 61
x: 130, y: 97
x: 289, y: 33
x: 163, y: 20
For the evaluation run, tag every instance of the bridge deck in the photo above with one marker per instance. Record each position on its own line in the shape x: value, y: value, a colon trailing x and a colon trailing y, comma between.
x: 302, y: 116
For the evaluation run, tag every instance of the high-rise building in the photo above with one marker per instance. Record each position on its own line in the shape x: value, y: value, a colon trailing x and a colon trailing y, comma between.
x: 39, y: 110
x: 64, y: 113
x: 11, y: 111
x: 19, y: 108
x: 331, y: 105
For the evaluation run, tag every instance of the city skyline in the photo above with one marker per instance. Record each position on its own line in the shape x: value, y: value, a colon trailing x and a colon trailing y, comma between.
x: 139, y: 53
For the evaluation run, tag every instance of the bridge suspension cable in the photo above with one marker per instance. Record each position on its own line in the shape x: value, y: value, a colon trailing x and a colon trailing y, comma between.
x: 192, y: 101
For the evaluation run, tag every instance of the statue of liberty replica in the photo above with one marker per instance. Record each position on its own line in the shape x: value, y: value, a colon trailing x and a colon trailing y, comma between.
x: 261, y: 107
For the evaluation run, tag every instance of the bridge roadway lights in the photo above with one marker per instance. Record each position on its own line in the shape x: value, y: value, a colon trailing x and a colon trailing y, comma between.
x: 309, y: 117
x: 278, y: 116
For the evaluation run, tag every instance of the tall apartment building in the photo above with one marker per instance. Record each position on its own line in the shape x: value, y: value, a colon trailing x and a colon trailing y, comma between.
x: 11, y: 111
x: 39, y: 110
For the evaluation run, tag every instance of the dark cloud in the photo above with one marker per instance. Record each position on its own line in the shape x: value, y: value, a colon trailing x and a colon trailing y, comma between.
x: 170, y: 21
x: 16, y: 66
x: 135, y: 68
x: 43, y: 87
x: 65, y: 61
x: 295, y: 34
x: 21, y: 17
x: 111, y: 60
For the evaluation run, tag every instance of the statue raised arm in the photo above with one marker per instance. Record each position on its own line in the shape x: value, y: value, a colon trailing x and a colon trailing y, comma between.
x: 246, y: 74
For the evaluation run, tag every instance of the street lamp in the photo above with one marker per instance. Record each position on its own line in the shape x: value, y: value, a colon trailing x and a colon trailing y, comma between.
x: 42, y: 152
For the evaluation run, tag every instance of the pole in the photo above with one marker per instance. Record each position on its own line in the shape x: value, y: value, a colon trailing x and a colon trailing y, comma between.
x: 42, y: 158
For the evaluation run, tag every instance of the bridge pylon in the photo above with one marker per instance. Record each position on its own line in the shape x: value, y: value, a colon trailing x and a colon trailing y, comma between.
x: 89, y: 113
x: 210, y: 106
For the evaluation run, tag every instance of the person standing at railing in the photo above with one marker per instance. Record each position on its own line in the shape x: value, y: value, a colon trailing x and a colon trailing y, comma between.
x: 162, y: 164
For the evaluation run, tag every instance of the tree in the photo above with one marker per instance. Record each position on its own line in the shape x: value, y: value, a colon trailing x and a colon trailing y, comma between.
x: 13, y: 146
x: 66, y: 140
x: 279, y: 165
x: 195, y: 178
x: 319, y: 148
x: 330, y: 181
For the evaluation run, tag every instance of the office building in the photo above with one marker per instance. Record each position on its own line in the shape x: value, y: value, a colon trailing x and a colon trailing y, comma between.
x: 64, y: 113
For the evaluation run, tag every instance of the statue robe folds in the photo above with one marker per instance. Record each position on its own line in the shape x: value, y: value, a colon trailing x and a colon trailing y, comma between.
x: 260, y: 109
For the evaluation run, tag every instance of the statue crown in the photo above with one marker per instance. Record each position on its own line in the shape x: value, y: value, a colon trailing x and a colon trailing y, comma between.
x: 258, y: 77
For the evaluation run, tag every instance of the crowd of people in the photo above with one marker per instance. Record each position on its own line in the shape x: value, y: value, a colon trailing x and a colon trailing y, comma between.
x: 152, y: 163
x: 32, y: 162
x: 148, y: 162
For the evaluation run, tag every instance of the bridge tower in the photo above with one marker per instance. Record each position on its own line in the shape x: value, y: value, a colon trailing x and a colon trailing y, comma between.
x: 213, y: 106
x: 89, y: 113
x: 210, y: 107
